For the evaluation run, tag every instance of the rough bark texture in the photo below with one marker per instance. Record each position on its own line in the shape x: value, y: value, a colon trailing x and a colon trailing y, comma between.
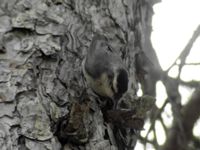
x: 43, y: 100
x: 42, y: 45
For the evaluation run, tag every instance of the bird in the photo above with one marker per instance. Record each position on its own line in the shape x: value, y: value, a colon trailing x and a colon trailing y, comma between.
x: 104, y: 70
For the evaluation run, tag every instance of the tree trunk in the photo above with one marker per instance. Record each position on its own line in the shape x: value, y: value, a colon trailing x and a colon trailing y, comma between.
x: 42, y: 45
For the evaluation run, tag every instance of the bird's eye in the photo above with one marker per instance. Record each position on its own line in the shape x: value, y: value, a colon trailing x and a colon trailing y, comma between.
x: 110, y: 49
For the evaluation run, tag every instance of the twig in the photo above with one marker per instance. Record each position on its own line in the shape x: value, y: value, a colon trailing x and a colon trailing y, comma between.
x: 191, y: 84
x: 163, y: 124
x: 192, y: 64
x: 190, y: 114
x: 156, y: 117
x: 182, y: 57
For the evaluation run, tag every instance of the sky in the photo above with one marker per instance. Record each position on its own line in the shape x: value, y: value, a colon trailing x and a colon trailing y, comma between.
x: 173, y: 24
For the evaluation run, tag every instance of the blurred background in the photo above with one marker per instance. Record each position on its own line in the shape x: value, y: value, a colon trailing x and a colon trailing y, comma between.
x: 174, y: 24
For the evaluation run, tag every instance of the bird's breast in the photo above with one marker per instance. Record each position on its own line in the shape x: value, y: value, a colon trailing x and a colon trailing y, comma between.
x: 100, y: 85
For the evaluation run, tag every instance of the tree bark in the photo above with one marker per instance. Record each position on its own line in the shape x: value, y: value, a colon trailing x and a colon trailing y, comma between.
x: 42, y: 45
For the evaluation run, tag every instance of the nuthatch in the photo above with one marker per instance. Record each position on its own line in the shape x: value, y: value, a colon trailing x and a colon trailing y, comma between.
x: 104, y: 70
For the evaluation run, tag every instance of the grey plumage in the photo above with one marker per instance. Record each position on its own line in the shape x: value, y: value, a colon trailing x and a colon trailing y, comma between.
x: 104, y: 70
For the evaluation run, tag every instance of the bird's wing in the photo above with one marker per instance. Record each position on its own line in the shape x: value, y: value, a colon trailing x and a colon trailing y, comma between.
x: 98, y: 65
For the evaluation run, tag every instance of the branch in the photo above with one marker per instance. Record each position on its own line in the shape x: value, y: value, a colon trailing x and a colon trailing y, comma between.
x: 182, y: 57
x: 191, y: 84
x: 190, y: 114
x: 192, y: 64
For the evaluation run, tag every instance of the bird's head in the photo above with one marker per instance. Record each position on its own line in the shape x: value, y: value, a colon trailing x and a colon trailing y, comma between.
x: 120, y: 83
